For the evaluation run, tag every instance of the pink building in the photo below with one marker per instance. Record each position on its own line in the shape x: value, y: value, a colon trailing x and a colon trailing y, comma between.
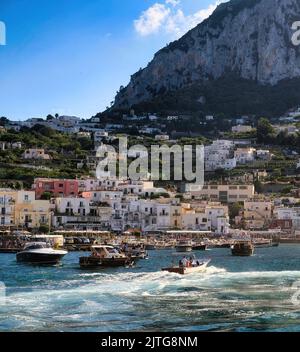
x: 57, y: 187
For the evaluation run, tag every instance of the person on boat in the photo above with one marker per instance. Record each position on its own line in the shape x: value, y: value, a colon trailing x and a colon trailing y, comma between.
x: 185, y: 262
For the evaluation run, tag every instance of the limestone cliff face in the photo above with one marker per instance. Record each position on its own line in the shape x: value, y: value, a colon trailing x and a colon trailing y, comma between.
x: 250, y: 38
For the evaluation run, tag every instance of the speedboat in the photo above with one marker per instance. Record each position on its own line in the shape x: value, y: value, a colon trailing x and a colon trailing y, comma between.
x: 40, y: 253
x: 105, y: 256
x: 197, y: 266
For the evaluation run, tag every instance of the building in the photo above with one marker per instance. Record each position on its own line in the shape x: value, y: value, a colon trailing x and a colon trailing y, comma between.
x: 244, y: 155
x: 242, y: 129
x: 99, y: 136
x: 36, y: 154
x: 257, y: 214
x: 56, y: 187
x: 20, y: 209
x: 219, y: 155
x: 293, y: 214
x: 162, y: 137
x: 81, y: 214
x: 224, y: 193
x: 264, y: 154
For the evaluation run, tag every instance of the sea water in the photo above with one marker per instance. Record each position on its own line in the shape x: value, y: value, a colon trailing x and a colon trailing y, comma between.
x: 258, y: 293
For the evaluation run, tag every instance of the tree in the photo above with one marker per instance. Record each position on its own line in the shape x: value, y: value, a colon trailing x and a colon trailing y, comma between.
x: 44, y: 229
x: 234, y: 210
x: 3, y: 121
x: 46, y: 196
x: 50, y: 117
x: 264, y: 130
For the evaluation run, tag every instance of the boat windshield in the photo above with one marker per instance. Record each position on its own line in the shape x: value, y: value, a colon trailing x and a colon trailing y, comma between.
x: 37, y: 246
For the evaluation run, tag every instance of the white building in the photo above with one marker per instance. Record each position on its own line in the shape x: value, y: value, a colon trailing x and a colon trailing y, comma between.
x: 282, y: 213
x: 219, y: 155
x: 244, y: 155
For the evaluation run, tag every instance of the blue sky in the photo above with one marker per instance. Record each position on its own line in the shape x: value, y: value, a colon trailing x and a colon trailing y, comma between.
x: 71, y: 57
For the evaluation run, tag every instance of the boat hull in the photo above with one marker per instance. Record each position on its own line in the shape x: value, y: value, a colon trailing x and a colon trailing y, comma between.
x: 93, y: 262
x: 39, y: 258
x: 183, y: 249
x: 202, y: 247
x: 187, y: 270
x: 246, y: 252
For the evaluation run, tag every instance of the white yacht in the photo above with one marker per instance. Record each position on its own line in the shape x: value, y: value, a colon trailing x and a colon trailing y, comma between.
x: 40, y: 253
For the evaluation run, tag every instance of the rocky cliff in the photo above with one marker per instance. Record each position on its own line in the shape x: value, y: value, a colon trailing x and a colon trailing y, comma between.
x: 242, y: 41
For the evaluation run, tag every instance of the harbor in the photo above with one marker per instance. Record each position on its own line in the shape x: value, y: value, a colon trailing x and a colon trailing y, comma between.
x: 233, y: 294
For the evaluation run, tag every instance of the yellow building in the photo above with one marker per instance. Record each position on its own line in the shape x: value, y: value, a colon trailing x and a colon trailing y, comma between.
x: 20, y: 209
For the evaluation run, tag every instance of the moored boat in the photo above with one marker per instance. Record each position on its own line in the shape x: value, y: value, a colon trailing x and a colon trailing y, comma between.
x: 40, y: 253
x: 105, y: 256
x: 184, y: 246
x: 200, y: 247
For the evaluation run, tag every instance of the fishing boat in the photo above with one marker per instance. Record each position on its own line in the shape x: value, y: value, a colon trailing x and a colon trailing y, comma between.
x: 242, y: 249
x: 197, y: 266
x: 105, y: 256
x: 184, y: 246
x: 40, y: 253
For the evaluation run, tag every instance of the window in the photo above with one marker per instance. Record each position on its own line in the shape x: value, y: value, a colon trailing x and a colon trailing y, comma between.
x: 26, y: 198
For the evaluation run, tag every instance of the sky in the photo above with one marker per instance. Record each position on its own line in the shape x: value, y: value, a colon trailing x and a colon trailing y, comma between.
x: 71, y: 57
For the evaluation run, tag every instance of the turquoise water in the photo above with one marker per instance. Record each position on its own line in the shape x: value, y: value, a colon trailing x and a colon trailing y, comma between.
x: 235, y: 294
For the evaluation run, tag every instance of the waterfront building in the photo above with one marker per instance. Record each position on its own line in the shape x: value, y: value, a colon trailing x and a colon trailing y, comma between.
x: 56, y: 187
x: 285, y: 213
x: 257, y: 214
x: 20, y: 209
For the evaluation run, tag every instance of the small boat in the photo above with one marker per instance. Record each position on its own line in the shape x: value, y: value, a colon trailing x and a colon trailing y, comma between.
x: 198, y: 266
x: 200, y: 247
x: 184, y: 246
x: 105, y: 256
x: 265, y: 243
x: 40, y: 253
x: 242, y: 249
x: 150, y: 247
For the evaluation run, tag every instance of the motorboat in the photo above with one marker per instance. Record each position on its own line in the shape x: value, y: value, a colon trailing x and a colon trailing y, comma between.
x: 184, y: 246
x: 200, y: 246
x: 40, y: 253
x: 196, y: 266
x: 105, y: 256
x: 264, y: 243
x: 242, y: 249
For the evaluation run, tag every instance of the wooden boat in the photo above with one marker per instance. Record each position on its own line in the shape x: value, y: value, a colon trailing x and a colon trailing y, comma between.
x: 105, y: 256
x: 242, y: 249
x: 198, y: 267
x: 184, y: 246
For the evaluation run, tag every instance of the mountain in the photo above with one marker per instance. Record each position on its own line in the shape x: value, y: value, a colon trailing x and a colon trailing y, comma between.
x: 240, y: 60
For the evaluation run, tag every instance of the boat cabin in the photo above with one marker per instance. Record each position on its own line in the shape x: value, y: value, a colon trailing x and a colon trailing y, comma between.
x: 103, y: 251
